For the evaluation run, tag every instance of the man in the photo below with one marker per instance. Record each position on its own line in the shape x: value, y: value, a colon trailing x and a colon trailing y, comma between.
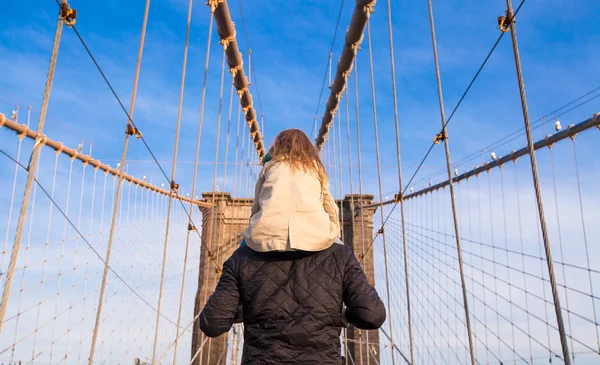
x: 292, y: 304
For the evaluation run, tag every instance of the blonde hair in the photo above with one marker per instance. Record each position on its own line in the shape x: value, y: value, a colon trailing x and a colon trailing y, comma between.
x: 295, y: 148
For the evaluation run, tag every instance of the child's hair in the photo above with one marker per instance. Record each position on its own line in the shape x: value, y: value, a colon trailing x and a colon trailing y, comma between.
x: 294, y: 146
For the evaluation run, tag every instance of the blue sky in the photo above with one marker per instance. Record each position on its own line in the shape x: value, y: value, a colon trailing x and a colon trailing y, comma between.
x: 290, y: 52
x: 290, y: 43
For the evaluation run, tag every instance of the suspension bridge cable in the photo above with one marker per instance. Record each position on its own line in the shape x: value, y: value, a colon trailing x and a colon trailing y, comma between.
x: 401, y: 195
x: 337, y: 24
x: 170, y: 201
x: 237, y: 147
x: 570, y: 132
x: 495, y: 310
x: 585, y: 241
x: 397, y: 129
x: 536, y: 184
x: 506, y: 282
x: 68, y: 220
x: 444, y: 134
x: 33, y: 161
x: 252, y: 70
x: 191, y: 226
x: 385, y: 257
x: 536, y: 124
x: 522, y: 256
x: 131, y: 122
x: 360, y: 191
x: 179, y: 111
x: 352, y: 221
x: 556, y: 112
x: 130, y: 131
x: 213, y: 216
x: 341, y: 176
x: 462, y: 98
x: 396, y: 348
x: 12, y: 197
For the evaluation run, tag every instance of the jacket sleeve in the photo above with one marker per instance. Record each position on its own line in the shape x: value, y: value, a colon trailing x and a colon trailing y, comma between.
x: 364, y: 308
x: 257, y: 189
x: 330, y: 207
x: 221, y: 309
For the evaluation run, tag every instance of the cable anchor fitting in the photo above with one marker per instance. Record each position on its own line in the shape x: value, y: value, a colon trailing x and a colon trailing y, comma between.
x: 440, y: 137
x: 68, y: 15
x: 504, y: 22
x: 233, y: 71
x: 213, y: 4
x: 133, y: 131
x: 225, y: 42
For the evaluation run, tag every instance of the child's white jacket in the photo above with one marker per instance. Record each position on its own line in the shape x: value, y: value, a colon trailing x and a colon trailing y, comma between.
x: 290, y: 212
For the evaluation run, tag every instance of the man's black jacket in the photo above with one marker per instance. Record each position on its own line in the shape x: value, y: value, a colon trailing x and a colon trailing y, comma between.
x: 292, y: 304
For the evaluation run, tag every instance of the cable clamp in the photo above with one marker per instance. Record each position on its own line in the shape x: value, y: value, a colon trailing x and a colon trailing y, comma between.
x: 133, y: 131
x: 234, y: 70
x: 596, y: 118
x: 213, y: 4
x: 241, y: 91
x: 227, y: 40
x: 398, y: 197
x: 174, y: 186
x: 504, y: 23
x: 379, y: 232
x: 40, y: 140
x: 191, y: 227
x: 68, y: 15
x: 440, y: 137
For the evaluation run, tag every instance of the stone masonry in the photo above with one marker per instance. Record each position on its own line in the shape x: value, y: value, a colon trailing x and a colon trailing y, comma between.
x: 222, y: 226
x: 358, y: 235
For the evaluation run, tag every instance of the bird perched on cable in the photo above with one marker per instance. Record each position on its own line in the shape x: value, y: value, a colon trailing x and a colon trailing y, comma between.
x: 557, y: 126
x: 493, y: 155
x: 13, y: 116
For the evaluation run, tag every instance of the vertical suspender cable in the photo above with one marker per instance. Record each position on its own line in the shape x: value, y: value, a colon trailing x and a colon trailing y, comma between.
x: 341, y: 193
x: 118, y: 194
x: 387, y: 282
x: 198, y: 140
x: 587, y: 255
x: 170, y: 201
x: 400, y: 198
x: 187, y: 241
x: 360, y: 191
x: 451, y: 185
x: 213, y: 214
x: 538, y: 190
x: 351, y: 210
x: 39, y: 142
